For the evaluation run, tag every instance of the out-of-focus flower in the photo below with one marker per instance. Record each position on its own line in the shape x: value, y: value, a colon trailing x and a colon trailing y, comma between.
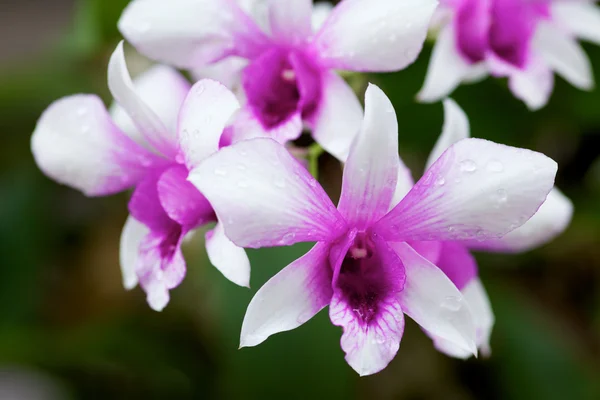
x: 524, y: 40
x: 289, y: 80
x: 161, y: 129
x: 363, y: 264
x: 454, y: 258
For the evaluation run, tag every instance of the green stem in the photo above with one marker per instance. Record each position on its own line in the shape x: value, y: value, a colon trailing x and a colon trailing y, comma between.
x: 314, y: 152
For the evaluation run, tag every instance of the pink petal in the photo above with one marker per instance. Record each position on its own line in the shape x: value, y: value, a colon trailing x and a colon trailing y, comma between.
x: 457, y: 263
x: 456, y: 127
x: 156, y: 136
x: 190, y: 33
x: 181, y: 201
x: 338, y: 119
x: 76, y: 143
x: 163, y: 89
x: 203, y: 117
x: 145, y: 205
x: 371, y: 171
x: 228, y: 258
x: 549, y: 221
x: 264, y: 197
x: 369, y: 348
x: 290, y: 20
x: 375, y: 35
x: 290, y: 298
x: 476, y: 190
x: 432, y: 300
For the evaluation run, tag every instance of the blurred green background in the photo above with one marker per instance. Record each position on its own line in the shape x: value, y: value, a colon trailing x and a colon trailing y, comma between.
x: 68, y: 330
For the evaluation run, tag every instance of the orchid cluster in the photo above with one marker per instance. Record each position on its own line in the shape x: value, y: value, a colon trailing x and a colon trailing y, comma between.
x: 221, y: 151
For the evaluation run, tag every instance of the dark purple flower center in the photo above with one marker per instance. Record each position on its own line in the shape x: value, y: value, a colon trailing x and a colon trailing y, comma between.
x: 281, y: 83
x: 505, y: 27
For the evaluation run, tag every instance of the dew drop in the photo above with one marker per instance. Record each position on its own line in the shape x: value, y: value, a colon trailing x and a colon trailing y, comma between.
x: 452, y: 303
x: 501, y: 196
x: 440, y: 181
x: 81, y: 111
x: 220, y: 172
x: 468, y: 166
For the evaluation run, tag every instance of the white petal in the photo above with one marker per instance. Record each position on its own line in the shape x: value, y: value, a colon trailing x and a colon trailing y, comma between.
x: 476, y: 190
x: 264, y: 197
x: 375, y: 35
x: 483, y: 316
x: 339, y: 117
x: 447, y: 68
x: 371, y: 171
x: 164, y: 90
x: 404, y: 183
x: 290, y: 298
x: 76, y: 143
x: 190, y: 33
x: 204, y: 114
x: 290, y: 20
x: 430, y: 298
x: 157, y: 136
x: 131, y: 238
x: 228, y: 72
x: 549, y: 221
x: 533, y: 85
x: 456, y: 127
x: 231, y: 260
x: 320, y: 14
x: 581, y: 18
x: 564, y: 55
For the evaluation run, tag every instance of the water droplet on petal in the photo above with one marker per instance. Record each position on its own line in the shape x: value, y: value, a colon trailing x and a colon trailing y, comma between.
x: 440, y: 181
x: 452, y: 303
x: 220, y: 172
x: 468, y: 166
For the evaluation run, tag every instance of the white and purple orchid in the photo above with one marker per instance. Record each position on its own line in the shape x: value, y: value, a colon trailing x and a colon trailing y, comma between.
x: 161, y: 129
x: 524, y: 40
x: 366, y: 264
x: 286, y: 66
x: 454, y: 258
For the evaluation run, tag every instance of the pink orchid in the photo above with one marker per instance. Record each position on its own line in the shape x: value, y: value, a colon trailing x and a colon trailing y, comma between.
x: 289, y: 79
x: 524, y: 40
x: 162, y: 129
x: 455, y: 259
x: 362, y: 265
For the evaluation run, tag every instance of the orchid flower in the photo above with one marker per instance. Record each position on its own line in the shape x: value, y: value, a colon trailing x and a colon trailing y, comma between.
x: 162, y: 129
x: 524, y: 40
x: 288, y: 81
x: 362, y: 265
x: 455, y: 259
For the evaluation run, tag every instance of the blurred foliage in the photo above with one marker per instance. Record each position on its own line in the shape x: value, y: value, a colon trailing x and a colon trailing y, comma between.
x: 65, y: 314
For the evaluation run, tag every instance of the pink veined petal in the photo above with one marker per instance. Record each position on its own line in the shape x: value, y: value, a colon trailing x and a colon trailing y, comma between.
x: 432, y: 300
x: 476, y: 190
x: 431, y: 251
x: 160, y: 266
x: 534, y: 84
x: 549, y: 221
x: 203, y: 117
x: 371, y: 171
x: 290, y: 298
x: 156, y: 136
x: 191, y: 33
x: 228, y: 258
x: 290, y: 20
x: 564, y: 55
x: 369, y: 349
x: 375, y: 35
x: 581, y: 18
x: 132, y: 236
x: 163, y: 89
x: 264, y: 197
x: 338, y: 119
x: 456, y: 127
x: 181, y: 201
x: 447, y: 68
x: 247, y: 126
x: 76, y: 143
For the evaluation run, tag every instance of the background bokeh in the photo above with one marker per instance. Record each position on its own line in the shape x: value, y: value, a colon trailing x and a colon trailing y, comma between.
x: 68, y: 330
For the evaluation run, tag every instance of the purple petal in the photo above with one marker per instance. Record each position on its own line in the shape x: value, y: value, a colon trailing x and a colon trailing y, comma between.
x: 350, y: 40
x: 76, y: 143
x: 290, y: 298
x: 264, y: 197
x: 145, y: 205
x: 371, y: 171
x: 476, y: 190
x: 457, y: 263
x: 472, y: 24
